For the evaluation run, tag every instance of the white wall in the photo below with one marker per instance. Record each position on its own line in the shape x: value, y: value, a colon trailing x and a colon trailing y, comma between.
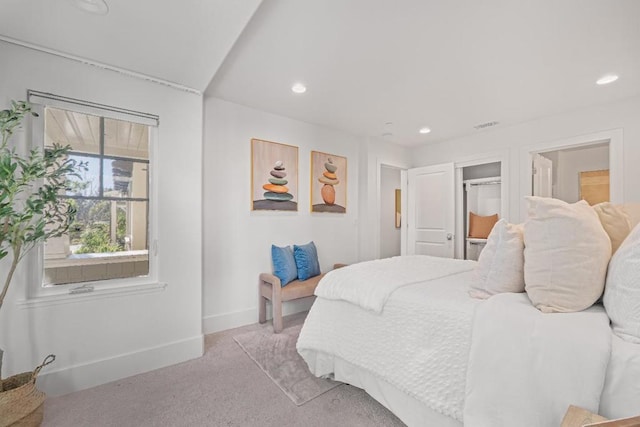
x: 97, y: 340
x: 237, y: 241
x: 569, y: 165
x: 514, y: 139
x: 389, y: 234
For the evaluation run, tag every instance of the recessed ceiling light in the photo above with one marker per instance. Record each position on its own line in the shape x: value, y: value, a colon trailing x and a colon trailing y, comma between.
x: 97, y: 7
x: 425, y: 130
x: 609, y: 78
x: 299, y: 88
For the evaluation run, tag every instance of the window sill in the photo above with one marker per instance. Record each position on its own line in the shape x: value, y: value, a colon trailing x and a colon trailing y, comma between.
x: 65, y: 297
x: 94, y: 259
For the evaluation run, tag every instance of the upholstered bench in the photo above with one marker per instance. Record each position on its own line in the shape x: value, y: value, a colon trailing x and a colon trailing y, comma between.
x: 269, y: 288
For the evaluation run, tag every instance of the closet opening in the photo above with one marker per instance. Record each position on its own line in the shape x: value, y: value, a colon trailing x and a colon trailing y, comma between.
x: 480, y: 204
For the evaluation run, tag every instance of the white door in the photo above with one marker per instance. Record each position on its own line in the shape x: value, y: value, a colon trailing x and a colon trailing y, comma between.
x: 542, y: 176
x: 430, y: 211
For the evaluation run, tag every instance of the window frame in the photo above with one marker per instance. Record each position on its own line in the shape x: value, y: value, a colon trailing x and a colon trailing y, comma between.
x: 38, y: 294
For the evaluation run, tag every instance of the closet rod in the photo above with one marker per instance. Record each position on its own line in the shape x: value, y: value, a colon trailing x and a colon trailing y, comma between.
x: 484, y: 183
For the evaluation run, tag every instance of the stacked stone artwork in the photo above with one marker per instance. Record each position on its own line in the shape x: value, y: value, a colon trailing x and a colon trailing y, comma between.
x: 329, y: 179
x: 276, y: 188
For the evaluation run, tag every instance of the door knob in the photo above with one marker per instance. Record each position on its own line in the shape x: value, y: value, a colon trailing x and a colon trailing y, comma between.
x: 449, y: 236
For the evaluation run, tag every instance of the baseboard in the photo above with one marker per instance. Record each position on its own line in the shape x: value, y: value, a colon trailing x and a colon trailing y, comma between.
x: 91, y: 374
x: 222, y: 322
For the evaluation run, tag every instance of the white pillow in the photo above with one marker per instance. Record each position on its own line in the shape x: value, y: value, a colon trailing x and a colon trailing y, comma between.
x: 566, y: 252
x: 501, y: 264
x: 622, y: 293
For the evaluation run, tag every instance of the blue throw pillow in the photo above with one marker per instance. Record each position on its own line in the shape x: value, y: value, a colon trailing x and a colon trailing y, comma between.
x: 284, y: 266
x: 306, y: 258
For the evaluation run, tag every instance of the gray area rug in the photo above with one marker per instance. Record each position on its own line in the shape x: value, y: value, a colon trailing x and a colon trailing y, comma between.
x: 277, y: 356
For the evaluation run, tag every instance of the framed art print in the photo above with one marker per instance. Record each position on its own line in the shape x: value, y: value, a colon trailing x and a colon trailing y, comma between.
x: 328, y: 183
x: 274, y: 176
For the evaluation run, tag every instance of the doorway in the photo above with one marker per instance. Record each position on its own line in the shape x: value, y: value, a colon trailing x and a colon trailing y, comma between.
x: 482, y: 187
x: 482, y: 197
x: 572, y: 174
x: 390, y: 214
x: 609, y: 142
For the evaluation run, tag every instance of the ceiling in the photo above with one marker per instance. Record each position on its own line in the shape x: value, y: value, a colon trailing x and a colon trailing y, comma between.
x: 372, y: 67
x: 182, y: 42
x: 446, y: 65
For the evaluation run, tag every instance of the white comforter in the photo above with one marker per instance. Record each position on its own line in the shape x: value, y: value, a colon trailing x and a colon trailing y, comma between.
x: 419, y: 343
x: 369, y: 284
x: 417, y: 336
x: 526, y: 367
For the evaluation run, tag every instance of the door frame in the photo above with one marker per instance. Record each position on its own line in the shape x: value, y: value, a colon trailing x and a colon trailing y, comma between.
x: 616, y: 162
x: 403, y: 171
x: 501, y: 156
x: 378, y: 213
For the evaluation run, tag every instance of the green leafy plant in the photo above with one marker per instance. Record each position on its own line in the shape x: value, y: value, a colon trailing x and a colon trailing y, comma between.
x: 97, y: 239
x: 32, y: 208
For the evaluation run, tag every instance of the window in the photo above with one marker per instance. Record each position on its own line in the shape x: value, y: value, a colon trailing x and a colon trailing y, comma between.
x: 109, y: 238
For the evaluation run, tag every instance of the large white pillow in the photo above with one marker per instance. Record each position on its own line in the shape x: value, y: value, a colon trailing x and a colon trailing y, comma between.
x: 566, y: 252
x: 501, y: 264
x: 622, y: 293
x: 615, y: 221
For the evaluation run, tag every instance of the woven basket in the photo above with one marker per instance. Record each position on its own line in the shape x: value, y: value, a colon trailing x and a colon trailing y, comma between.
x: 21, y: 403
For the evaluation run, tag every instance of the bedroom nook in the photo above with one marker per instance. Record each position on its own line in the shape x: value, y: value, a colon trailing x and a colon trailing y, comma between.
x: 470, y: 166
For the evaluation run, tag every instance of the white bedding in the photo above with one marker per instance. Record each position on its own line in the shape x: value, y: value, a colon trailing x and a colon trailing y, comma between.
x: 621, y: 394
x: 369, y: 284
x: 526, y: 367
x: 420, y: 343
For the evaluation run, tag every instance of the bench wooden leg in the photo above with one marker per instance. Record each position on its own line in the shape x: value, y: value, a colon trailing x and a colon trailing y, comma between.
x: 276, y: 305
x: 262, y: 309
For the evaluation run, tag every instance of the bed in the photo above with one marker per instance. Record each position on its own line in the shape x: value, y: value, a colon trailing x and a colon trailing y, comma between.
x: 405, y: 330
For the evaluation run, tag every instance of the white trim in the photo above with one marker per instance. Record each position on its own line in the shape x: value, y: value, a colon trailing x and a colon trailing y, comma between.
x: 85, y: 375
x: 459, y: 226
x: 37, y: 295
x: 222, y: 322
x: 92, y: 294
x: 101, y: 65
x: 404, y: 208
x: 615, y: 138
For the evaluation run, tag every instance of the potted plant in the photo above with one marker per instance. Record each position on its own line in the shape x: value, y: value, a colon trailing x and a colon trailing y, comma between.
x: 31, y: 211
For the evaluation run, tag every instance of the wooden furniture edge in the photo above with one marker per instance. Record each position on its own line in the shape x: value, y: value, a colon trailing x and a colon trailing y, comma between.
x: 270, y: 288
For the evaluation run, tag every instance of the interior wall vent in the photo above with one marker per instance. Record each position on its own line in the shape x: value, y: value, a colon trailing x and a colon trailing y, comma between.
x: 485, y: 125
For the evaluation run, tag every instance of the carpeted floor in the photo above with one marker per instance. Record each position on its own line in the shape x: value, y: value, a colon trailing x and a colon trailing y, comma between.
x: 222, y: 388
x: 278, y: 358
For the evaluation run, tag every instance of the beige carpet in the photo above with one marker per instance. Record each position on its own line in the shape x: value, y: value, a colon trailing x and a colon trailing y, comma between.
x: 277, y: 356
x: 222, y: 388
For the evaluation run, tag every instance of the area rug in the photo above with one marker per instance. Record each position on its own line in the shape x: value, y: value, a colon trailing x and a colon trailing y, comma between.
x: 277, y: 356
